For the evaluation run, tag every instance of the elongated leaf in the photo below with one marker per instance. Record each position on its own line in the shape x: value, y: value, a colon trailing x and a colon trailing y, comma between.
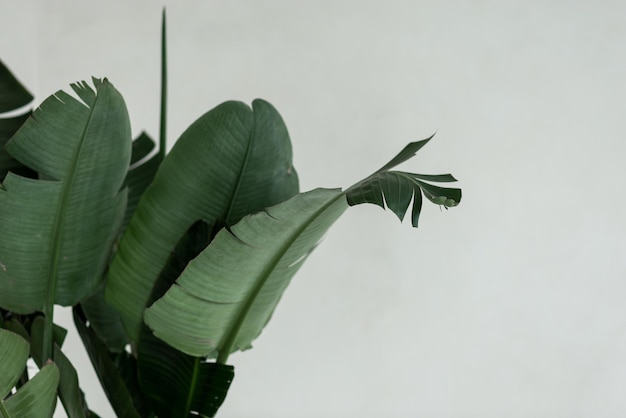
x: 407, y: 153
x: 72, y: 397
x: 13, y: 96
x: 105, y: 322
x: 230, y: 162
x: 141, y: 173
x: 112, y: 382
x: 14, y: 353
x: 103, y: 318
x: 396, y: 189
x: 235, y: 284
x: 56, y: 234
x: 37, y: 398
x: 177, y: 383
x: 226, y: 295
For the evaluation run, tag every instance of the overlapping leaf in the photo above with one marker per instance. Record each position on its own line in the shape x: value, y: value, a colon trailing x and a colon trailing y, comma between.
x: 57, y: 233
x: 230, y: 162
x: 396, y: 189
x: 176, y: 383
x: 37, y: 398
x: 226, y: 295
x: 103, y: 318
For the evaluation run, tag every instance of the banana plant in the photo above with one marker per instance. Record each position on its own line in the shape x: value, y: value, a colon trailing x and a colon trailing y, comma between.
x: 170, y: 262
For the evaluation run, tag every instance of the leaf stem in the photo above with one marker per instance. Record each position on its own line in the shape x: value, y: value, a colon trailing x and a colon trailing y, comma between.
x: 192, y: 385
x: 3, y: 411
x: 162, y: 128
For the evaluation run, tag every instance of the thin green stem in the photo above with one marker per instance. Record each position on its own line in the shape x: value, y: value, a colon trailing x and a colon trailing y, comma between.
x: 3, y: 411
x: 192, y: 385
x: 163, y: 125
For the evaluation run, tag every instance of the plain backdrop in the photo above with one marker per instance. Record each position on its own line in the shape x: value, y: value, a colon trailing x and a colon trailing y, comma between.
x: 512, y: 304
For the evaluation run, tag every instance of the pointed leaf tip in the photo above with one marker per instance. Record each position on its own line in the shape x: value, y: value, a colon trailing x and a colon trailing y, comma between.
x: 407, y: 152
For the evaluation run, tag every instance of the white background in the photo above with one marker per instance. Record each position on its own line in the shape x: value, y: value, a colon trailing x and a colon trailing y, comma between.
x: 512, y: 304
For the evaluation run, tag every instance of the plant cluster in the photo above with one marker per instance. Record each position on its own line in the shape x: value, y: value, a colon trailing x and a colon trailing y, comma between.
x: 170, y: 262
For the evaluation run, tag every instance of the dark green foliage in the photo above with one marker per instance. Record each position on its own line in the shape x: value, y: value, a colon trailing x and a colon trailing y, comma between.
x: 396, y: 189
x: 13, y: 96
x: 170, y: 262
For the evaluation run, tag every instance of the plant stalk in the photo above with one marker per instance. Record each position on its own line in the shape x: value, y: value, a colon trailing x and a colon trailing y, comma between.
x: 163, y: 118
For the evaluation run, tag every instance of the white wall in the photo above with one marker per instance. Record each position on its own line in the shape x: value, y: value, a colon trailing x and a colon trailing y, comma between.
x: 511, y: 304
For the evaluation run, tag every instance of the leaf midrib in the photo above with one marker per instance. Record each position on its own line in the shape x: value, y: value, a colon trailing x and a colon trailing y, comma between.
x: 242, y: 169
x: 192, y: 387
x: 3, y: 409
x: 53, y: 262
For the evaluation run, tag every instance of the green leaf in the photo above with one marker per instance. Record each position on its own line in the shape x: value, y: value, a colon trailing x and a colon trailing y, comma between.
x: 396, y: 189
x: 407, y: 153
x: 12, y: 97
x: 230, y: 162
x: 175, y: 382
x: 103, y: 318
x: 179, y: 384
x: 17, y: 327
x: 72, y: 397
x: 37, y: 398
x: 57, y: 233
x: 227, y: 294
x: 14, y: 353
x: 112, y: 382
x: 105, y: 322
x: 141, y: 173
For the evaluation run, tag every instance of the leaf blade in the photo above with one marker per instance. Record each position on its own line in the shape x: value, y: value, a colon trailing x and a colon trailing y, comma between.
x: 48, y: 243
x: 243, y: 156
x: 236, y: 283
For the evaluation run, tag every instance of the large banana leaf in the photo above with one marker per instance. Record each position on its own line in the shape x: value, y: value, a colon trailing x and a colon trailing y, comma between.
x: 57, y: 233
x: 226, y: 295
x: 37, y: 398
x: 13, y: 96
x: 230, y: 162
x: 103, y: 318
